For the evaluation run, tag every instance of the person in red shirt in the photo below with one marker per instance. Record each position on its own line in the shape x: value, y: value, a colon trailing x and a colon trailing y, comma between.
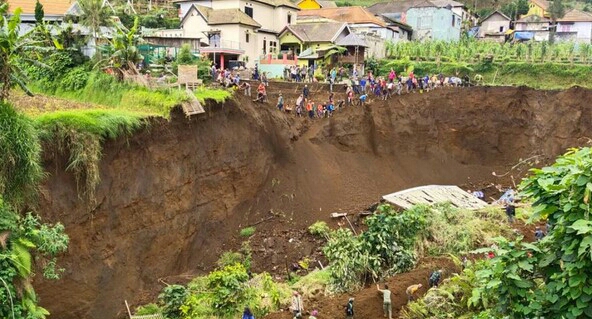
x: 261, y: 93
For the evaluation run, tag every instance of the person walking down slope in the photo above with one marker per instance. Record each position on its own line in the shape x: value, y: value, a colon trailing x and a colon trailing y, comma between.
x: 349, y: 309
x: 386, y: 301
x: 297, y: 307
x: 280, y: 103
x: 411, y: 290
x: 305, y: 91
x: 247, y: 314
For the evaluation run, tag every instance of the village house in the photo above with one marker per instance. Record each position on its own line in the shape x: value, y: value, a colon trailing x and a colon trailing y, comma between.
x: 397, y: 10
x: 231, y: 32
x: 319, y: 42
x: 372, y: 30
x: 575, y: 26
x: 538, y: 8
x: 55, y: 10
x: 532, y: 27
x: 494, y: 27
x: 432, y: 22
x: 315, y: 4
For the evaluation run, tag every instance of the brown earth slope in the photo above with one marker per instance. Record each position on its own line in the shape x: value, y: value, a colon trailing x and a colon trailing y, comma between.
x: 175, y: 195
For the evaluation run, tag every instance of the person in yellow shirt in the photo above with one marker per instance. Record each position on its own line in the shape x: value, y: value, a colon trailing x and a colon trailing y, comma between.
x: 411, y: 290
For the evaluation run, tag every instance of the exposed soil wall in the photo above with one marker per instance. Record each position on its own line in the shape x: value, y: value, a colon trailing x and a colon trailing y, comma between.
x: 175, y: 195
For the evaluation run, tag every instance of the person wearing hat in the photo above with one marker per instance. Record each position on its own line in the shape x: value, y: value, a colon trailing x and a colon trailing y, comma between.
x: 349, y: 309
x: 313, y: 314
x: 297, y: 307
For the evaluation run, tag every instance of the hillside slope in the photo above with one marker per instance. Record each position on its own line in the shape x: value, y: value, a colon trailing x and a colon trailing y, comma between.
x: 174, y: 196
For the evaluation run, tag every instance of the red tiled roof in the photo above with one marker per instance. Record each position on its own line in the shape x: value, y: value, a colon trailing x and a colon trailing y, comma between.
x: 50, y: 7
x: 352, y: 15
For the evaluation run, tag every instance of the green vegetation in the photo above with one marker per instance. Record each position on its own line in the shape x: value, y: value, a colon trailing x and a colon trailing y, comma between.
x: 81, y: 133
x: 456, y: 231
x: 20, y: 170
x: 24, y: 241
x: 247, y: 231
x: 320, y: 229
x: 538, y: 65
x: 549, y: 278
x: 217, y: 95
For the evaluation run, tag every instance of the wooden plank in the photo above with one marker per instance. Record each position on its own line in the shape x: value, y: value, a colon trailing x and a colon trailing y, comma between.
x: 193, y: 106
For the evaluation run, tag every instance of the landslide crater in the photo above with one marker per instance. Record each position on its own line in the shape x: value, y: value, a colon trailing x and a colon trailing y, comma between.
x: 174, y: 196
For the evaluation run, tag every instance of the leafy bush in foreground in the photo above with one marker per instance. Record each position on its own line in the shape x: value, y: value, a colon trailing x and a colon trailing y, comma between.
x: 386, y: 248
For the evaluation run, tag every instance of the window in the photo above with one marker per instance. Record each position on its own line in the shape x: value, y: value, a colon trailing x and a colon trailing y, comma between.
x: 502, y: 29
x: 249, y: 11
x: 264, y: 46
x: 424, y: 22
x: 289, y: 18
x: 247, y: 37
x: 453, y: 20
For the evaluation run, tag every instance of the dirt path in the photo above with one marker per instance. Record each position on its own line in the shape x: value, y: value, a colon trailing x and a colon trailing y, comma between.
x: 368, y: 301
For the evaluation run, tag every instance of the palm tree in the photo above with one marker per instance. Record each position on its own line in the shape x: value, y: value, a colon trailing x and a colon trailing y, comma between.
x: 94, y: 15
x: 15, y: 51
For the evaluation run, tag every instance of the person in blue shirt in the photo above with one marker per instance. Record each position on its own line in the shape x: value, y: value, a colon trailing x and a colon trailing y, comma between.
x: 363, y: 84
x: 247, y: 314
x: 363, y: 99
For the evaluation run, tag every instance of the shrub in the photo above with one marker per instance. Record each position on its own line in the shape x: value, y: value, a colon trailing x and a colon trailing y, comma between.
x: 229, y: 258
x: 247, y: 231
x: 172, y: 298
x: 319, y: 228
x: 75, y: 79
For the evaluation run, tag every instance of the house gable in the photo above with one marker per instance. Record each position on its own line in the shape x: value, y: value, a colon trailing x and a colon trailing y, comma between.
x: 308, y: 5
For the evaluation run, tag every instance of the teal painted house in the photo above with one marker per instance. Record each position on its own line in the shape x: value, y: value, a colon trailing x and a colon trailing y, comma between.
x: 432, y: 22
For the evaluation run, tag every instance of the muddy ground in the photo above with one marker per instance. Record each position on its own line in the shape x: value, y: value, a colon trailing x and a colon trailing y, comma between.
x: 175, y: 195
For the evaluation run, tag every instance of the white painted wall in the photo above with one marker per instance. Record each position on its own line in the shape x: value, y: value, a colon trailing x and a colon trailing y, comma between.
x: 583, y: 30
x: 493, y: 24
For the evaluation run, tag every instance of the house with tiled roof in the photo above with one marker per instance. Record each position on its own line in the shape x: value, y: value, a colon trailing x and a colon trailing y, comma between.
x: 575, y: 26
x: 54, y: 10
x: 538, y: 8
x: 372, y: 29
x: 313, y: 42
x: 239, y: 31
x: 494, y: 26
x: 315, y: 4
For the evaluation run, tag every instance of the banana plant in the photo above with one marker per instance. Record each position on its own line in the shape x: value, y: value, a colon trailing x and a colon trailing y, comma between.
x: 16, y: 50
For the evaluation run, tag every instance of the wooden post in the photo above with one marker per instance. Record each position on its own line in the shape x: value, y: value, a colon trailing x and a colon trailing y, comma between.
x: 128, y: 309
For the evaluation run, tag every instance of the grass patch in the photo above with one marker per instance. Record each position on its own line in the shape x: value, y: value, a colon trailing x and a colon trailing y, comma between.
x: 81, y: 132
x: 456, y: 231
x: 217, y: 95
x: 20, y: 168
x: 313, y: 282
x: 105, y: 90
x: 247, y: 231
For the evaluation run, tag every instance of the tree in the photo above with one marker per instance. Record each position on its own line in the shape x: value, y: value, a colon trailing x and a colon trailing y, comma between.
x: 124, y: 43
x: 557, y: 11
x: 16, y: 50
x: 94, y: 15
x: 39, y: 14
x: 553, y: 277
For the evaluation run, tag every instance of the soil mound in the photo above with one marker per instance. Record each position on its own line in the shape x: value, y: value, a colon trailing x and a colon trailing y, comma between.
x: 174, y: 196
